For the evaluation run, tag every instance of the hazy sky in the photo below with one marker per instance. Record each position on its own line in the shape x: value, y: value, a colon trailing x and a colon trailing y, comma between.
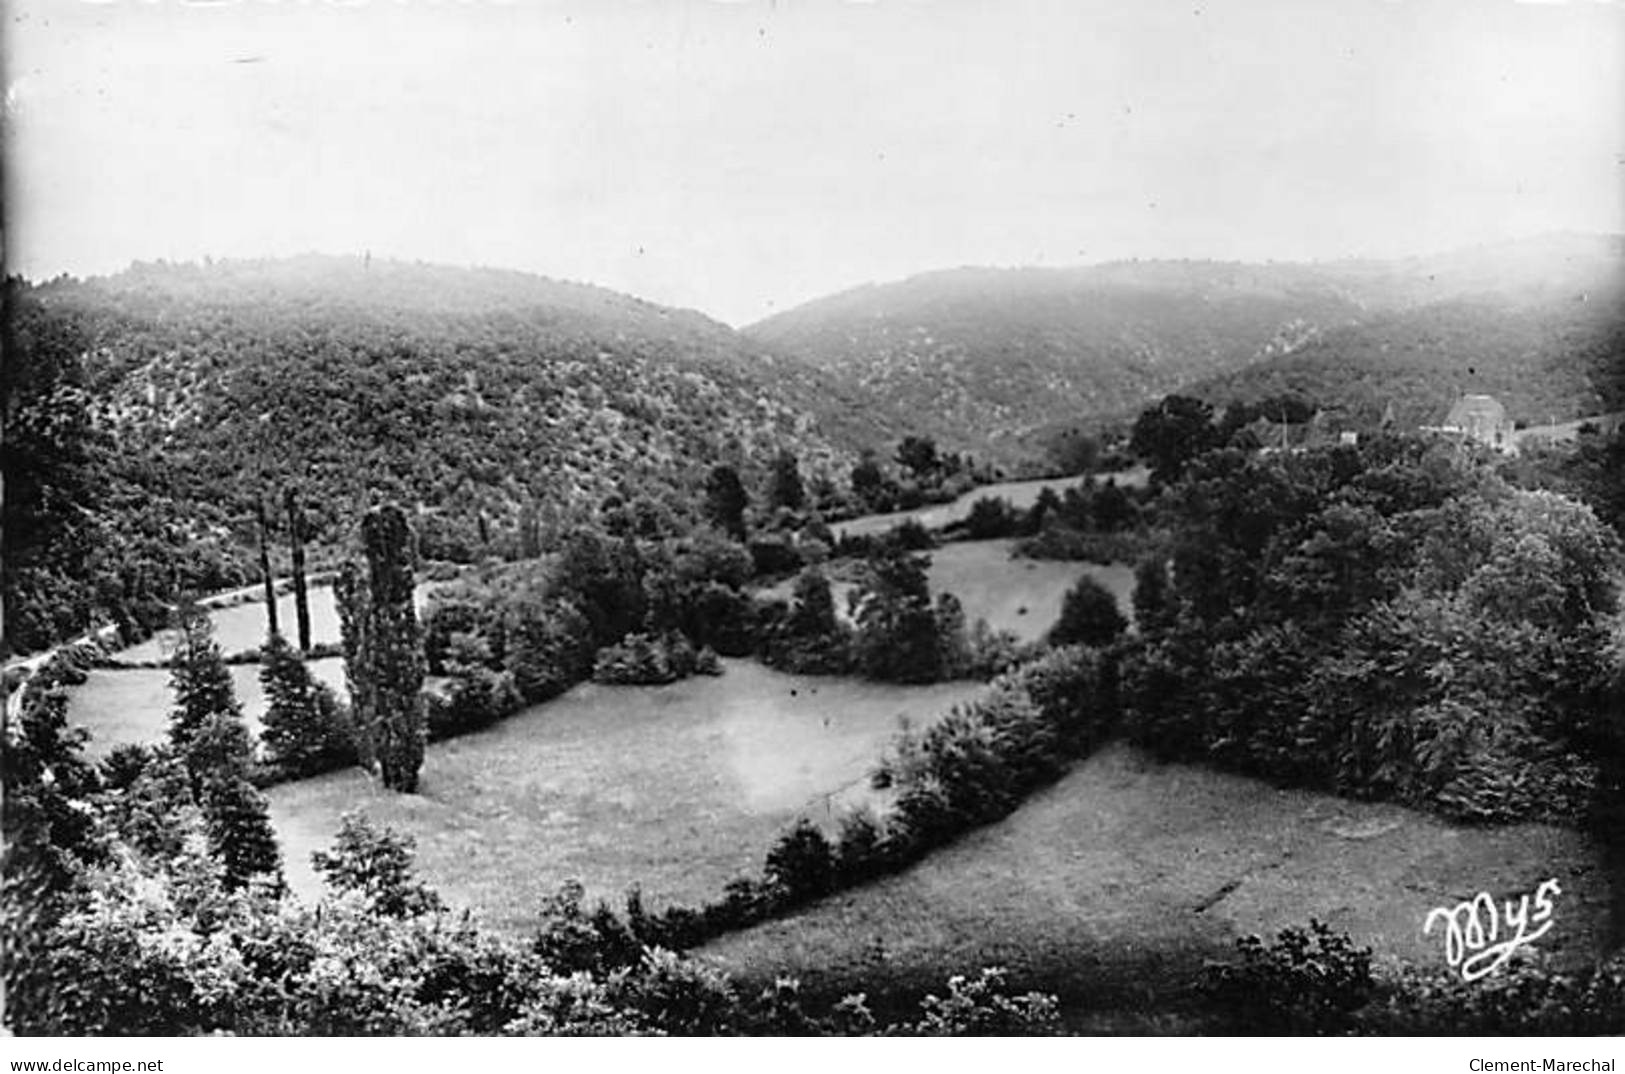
x: 742, y: 157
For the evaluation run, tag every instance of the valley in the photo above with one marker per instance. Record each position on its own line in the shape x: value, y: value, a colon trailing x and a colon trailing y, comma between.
x: 676, y: 645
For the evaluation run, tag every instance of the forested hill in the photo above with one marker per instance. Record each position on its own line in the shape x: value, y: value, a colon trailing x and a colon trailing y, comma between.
x: 986, y: 355
x: 1549, y: 362
x: 983, y: 354
x: 156, y: 406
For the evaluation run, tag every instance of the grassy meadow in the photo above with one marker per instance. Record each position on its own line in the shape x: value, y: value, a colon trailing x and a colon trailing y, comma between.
x: 1117, y: 884
x: 1021, y: 494
x: 1022, y: 596
x: 1111, y: 888
x: 678, y: 788
x: 131, y: 705
x: 243, y: 626
x: 1019, y: 595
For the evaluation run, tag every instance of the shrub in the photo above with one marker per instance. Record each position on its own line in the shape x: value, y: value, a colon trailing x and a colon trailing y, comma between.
x: 570, y: 939
x: 723, y: 618
x: 1089, y: 616
x: 550, y: 650
x: 801, y: 863
x: 1306, y: 982
x: 973, y: 766
x: 476, y: 697
x: 774, y: 554
x: 980, y: 1007
x: 375, y: 863
x: 909, y: 535
x: 1075, y: 690
x: 1526, y: 997
x: 858, y: 856
x: 990, y: 518
x: 805, y: 636
x: 989, y: 652
x: 646, y: 660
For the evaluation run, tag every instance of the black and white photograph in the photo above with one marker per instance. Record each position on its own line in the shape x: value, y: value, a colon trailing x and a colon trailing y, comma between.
x: 813, y: 518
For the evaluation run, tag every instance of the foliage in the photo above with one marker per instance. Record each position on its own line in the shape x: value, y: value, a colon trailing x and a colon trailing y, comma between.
x: 647, y: 660
x: 726, y: 501
x: 1089, y: 616
x: 383, y: 657
x: 990, y: 518
x: 1171, y: 434
x: 237, y: 820
x: 50, y: 835
x: 980, y: 1007
x: 134, y: 403
x: 809, y: 638
x: 296, y: 552
x: 969, y: 354
x: 897, y: 636
x: 801, y: 863
x: 1391, y: 620
x: 199, y: 680
x: 1548, y: 359
x: 1526, y: 997
x: 475, y: 697
x: 785, y: 488
x: 305, y: 731
x: 376, y: 864
x: 1312, y: 981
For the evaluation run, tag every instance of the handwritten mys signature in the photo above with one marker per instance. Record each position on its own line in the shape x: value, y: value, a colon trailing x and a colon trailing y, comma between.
x: 1473, y: 933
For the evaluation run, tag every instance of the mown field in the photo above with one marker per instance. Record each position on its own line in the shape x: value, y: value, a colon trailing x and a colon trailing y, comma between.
x: 1113, y: 888
x: 130, y: 705
x: 1021, y: 494
x: 1022, y: 596
x: 1019, y: 595
x: 677, y: 788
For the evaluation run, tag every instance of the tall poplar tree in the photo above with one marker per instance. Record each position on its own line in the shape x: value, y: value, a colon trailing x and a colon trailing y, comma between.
x: 296, y: 545
x: 383, y: 651
x: 267, y: 579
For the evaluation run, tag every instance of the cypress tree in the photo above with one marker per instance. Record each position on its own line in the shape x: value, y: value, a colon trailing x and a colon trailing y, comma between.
x: 236, y: 817
x: 207, y: 730
x: 199, y: 679
x: 302, y: 733
x: 296, y: 544
x: 237, y: 820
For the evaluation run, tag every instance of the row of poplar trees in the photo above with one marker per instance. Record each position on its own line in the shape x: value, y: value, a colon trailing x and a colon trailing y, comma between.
x: 381, y: 638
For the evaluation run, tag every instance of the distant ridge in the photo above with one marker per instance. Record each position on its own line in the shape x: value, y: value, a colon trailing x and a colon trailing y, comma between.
x: 981, y: 357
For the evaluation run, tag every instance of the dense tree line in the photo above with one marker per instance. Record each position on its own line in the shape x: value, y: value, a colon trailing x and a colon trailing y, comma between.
x: 1393, y: 620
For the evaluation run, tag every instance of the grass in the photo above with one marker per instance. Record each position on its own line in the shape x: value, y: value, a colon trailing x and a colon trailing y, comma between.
x: 678, y: 788
x: 1021, y: 494
x: 1022, y: 596
x: 1114, y: 886
x: 122, y: 706
x: 238, y: 627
